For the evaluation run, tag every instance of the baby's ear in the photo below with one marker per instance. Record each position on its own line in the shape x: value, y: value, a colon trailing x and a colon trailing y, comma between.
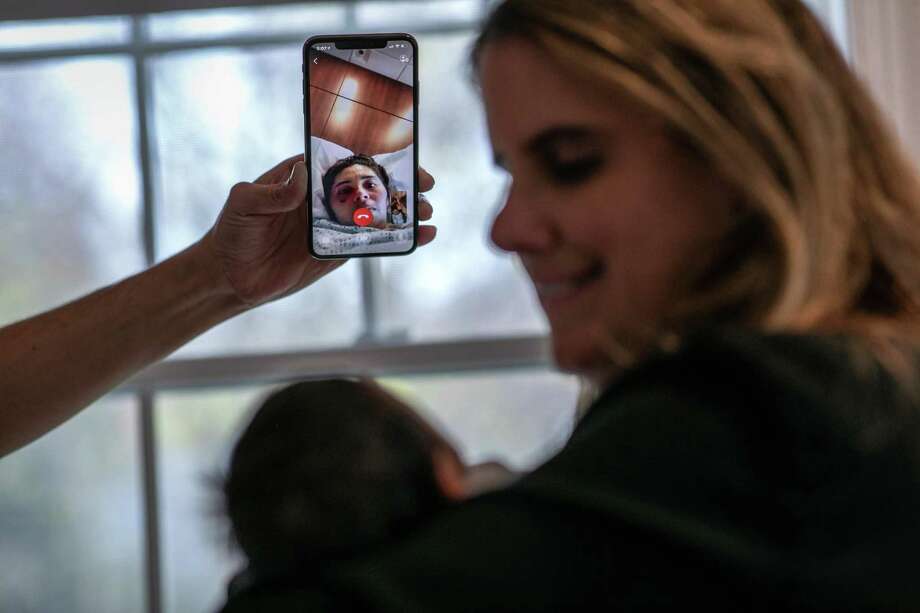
x: 450, y: 475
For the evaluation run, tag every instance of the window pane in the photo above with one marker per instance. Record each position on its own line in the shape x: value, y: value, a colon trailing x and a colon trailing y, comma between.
x: 223, y: 116
x: 70, y: 517
x: 196, y: 431
x: 519, y: 418
x: 69, y: 193
x: 460, y: 285
x: 404, y: 15
x: 312, y: 18
x: 63, y: 32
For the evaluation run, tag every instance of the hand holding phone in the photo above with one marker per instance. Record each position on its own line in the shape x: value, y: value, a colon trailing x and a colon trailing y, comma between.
x: 361, y: 101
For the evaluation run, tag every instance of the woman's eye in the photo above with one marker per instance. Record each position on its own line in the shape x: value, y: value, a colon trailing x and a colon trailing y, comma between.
x: 575, y: 171
x: 370, y: 185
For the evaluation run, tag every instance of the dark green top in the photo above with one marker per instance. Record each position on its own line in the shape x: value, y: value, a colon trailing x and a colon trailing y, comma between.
x: 742, y: 472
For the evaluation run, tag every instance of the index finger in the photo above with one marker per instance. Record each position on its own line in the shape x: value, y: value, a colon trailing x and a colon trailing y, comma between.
x: 281, y: 172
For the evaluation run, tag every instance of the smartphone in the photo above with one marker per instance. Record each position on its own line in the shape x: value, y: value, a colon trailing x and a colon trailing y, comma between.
x: 360, y: 105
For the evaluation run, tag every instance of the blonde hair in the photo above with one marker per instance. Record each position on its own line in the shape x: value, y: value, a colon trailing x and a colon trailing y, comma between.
x: 828, y: 234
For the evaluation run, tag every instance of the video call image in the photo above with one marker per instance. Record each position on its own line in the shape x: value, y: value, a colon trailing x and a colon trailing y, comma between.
x: 361, y: 146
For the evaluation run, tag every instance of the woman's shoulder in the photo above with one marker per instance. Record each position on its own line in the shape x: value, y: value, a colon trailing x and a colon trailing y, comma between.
x: 794, y: 415
x: 780, y: 383
x: 789, y: 457
x: 713, y: 355
x: 797, y: 412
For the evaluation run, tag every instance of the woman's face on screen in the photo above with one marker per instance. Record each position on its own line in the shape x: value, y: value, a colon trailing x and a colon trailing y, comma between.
x: 358, y: 187
x: 603, y: 209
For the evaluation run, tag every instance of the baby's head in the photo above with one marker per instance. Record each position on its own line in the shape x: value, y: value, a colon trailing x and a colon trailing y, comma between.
x: 329, y: 468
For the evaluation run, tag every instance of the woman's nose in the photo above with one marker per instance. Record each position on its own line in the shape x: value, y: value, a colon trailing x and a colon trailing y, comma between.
x: 519, y: 226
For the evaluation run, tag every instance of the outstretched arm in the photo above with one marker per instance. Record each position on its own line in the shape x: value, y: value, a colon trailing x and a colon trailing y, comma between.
x: 54, y: 364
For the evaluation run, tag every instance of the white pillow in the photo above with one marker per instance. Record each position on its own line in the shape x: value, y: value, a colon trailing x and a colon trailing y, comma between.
x: 324, y: 153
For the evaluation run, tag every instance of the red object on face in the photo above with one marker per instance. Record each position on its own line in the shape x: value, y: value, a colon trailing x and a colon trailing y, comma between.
x: 363, y: 217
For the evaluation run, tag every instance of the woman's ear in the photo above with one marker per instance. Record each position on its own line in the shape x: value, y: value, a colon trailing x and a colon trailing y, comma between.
x: 450, y: 474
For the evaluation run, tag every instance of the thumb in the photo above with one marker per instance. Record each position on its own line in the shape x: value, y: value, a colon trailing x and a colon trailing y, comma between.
x: 276, y: 197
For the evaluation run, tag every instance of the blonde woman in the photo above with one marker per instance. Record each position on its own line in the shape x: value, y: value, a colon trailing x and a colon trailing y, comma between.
x: 726, y: 240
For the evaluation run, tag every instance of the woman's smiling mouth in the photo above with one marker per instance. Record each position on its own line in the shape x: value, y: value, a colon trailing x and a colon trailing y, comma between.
x: 566, y: 287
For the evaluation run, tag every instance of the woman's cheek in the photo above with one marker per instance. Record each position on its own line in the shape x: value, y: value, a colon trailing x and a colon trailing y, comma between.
x: 342, y: 211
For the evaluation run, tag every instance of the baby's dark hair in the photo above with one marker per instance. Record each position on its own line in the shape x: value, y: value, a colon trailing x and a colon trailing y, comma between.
x: 329, y: 468
x: 339, y: 166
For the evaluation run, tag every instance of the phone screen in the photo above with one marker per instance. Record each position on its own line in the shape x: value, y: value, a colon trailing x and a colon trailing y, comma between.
x: 361, y: 135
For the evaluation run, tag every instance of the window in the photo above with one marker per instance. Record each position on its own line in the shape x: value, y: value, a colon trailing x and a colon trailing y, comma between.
x: 71, y: 517
x: 70, y: 506
x: 120, y: 140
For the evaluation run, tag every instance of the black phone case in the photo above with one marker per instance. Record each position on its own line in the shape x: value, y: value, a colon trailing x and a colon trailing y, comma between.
x: 357, y: 41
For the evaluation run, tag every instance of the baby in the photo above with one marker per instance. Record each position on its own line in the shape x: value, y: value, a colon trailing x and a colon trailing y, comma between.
x: 330, y: 469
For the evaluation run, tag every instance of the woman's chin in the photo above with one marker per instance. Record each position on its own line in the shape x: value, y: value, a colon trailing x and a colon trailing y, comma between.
x: 578, y: 355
